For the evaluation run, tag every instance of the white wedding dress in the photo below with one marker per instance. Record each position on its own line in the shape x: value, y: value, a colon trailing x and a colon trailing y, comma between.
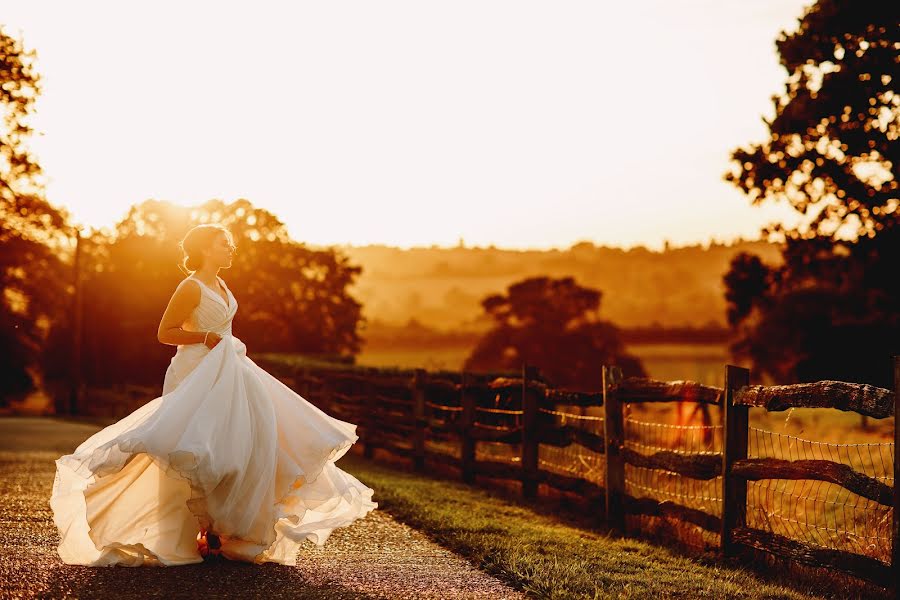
x: 227, y: 447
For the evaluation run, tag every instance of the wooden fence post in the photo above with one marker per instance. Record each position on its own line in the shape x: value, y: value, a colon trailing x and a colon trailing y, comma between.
x: 614, y: 441
x: 370, y: 406
x: 76, y: 392
x: 735, y: 429
x: 529, y: 434
x: 419, y: 422
x: 467, y: 442
x: 895, y: 529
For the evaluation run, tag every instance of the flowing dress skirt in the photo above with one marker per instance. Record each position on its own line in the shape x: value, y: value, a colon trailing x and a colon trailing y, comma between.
x: 231, y: 449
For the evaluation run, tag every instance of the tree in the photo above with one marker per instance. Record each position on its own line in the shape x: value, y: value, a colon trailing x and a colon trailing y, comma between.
x: 831, y: 309
x: 292, y: 298
x: 33, y: 234
x: 554, y: 325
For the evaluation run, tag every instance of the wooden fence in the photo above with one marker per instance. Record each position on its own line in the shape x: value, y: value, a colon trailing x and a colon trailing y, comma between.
x: 443, y: 419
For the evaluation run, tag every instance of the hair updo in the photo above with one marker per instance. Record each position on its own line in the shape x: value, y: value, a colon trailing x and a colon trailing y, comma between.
x: 197, y: 240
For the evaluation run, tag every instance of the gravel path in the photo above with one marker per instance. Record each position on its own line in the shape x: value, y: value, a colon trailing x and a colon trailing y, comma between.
x: 376, y: 557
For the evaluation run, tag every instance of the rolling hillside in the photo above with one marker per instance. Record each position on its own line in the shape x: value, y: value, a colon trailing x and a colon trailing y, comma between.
x: 441, y: 288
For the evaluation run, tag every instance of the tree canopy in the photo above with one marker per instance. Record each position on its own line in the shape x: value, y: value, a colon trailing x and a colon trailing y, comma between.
x: 33, y: 233
x: 292, y: 298
x: 832, y: 153
x: 832, y: 309
x: 553, y: 324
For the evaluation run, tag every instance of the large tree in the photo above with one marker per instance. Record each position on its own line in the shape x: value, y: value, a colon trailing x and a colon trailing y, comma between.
x: 832, y: 308
x: 291, y: 297
x: 33, y: 234
x: 553, y: 324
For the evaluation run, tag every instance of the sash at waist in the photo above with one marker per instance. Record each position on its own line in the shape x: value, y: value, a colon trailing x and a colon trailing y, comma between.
x: 189, y: 356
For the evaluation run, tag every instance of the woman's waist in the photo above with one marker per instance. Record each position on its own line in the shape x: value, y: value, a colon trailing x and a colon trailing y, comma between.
x: 221, y: 329
x: 184, y: 351
x: 200, y: 349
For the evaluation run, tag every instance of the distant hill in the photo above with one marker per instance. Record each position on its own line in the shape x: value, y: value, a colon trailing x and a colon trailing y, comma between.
x: 441, y: 288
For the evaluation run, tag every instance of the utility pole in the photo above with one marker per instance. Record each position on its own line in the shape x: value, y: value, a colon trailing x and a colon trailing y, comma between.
x: 77, y: 305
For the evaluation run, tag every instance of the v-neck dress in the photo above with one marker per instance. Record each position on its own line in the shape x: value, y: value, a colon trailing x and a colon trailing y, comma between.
x: 211, y: 314
x: 227, y: 448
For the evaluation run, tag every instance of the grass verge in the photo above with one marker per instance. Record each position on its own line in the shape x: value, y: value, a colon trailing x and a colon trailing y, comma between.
x: 546, y: 556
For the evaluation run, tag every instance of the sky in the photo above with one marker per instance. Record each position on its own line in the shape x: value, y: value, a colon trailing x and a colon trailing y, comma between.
x: 517, y: 123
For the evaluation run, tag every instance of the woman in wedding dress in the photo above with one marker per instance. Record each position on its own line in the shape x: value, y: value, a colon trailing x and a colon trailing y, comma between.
x: 227, y: 459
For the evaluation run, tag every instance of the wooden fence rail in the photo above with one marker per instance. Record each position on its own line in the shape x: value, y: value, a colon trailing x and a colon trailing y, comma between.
x: 404, y: 415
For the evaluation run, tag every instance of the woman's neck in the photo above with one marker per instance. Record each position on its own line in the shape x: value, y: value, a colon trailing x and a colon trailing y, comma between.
x: 208, y: 276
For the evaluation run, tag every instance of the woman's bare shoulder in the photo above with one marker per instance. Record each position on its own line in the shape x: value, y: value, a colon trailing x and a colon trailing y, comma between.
x: 190, y: 290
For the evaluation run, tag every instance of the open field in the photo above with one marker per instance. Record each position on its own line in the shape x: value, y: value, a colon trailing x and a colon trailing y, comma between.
x: 704, y: 363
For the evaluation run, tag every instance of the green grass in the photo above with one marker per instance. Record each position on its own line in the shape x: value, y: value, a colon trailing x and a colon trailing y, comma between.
x: 546, y: 556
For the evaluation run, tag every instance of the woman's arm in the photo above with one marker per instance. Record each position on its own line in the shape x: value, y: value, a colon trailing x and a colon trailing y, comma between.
x: 181, y: 304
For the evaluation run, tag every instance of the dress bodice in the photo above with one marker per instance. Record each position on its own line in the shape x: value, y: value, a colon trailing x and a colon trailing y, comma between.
x: 213, y: 313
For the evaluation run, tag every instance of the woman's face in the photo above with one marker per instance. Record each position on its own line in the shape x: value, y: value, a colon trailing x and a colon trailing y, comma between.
x: 219, y: 255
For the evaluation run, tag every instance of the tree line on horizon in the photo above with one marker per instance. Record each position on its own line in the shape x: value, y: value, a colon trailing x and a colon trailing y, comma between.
x: 442, y: 288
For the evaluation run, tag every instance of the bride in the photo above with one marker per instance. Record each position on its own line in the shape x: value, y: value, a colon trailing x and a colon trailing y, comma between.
x: 228, y: 460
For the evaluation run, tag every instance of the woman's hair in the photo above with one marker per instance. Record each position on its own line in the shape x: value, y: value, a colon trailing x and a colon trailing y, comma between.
x: 197, y: 240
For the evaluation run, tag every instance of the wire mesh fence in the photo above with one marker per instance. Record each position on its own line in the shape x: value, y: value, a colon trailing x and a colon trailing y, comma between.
x: 815, y: 512
x: 443, y: 443
x: 448, y: 446
x: 574, y: 460
x: 687, y: 439
x: 665, y: 427
x: 821, y: 513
